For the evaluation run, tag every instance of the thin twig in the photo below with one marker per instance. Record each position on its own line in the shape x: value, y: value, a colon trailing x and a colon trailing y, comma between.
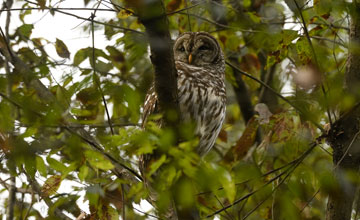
x: 121, y: 7
x: 89, y: 19
x: 108, y: 156
x: 12, y: 199
x: 287, y: 172
x: 31, y: 205
x: 309, y: 201
x: 65, y: 9
x: 218, y: 24
x: 36, y: 188
x: 147, y: 214
x: 315, y: 58
x: 94, y: 69
x: 252, y: 179
x: 83, y: 125
x: 85, y: 139
x: 347, y: 150
x: 123, y: 202
x: 276, y: 93
x: 222, y: 205
x: 277, y: 186
x: 249, y: 194
x: 188, y: 16
x: 329, y: 40
x: 185, y: 9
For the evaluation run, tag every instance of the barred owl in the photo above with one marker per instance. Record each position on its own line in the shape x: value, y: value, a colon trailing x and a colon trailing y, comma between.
x: 200, y: 66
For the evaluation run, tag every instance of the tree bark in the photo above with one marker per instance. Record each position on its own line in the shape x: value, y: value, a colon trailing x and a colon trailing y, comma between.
x: 152, y: 15
x: 344, y: 134
x: 12, y: 200
x: 242, y: 95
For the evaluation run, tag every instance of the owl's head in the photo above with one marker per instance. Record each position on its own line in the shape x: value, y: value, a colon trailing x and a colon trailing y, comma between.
x: 197, y: 48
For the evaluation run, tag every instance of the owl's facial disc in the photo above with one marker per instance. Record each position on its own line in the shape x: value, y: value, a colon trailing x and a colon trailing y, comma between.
x: 196, y: 48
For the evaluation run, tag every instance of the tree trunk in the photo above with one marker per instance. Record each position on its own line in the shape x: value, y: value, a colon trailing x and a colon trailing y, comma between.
x: 344, y: 134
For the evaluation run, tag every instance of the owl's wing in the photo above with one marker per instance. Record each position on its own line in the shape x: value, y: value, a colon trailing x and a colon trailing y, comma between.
x: 150, y: 104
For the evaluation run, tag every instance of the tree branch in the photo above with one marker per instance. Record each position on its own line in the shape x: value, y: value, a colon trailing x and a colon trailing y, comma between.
x: 275, y: 92
x: 288, y: 172
x: 152, y: 15
x: 343, y: 134
x: 36, y: 188
x: 88, y: 19
x: 31, y: 81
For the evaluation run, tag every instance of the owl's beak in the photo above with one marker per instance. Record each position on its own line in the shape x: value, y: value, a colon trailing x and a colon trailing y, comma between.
x: 190, y: 59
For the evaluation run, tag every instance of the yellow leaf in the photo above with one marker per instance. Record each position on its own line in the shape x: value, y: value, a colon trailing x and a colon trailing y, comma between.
x: 124, y: 14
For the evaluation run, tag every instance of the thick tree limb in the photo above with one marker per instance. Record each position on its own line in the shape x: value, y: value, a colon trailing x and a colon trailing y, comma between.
x: 242, y: 95
x: 344, y: 133
x: 152, y: 15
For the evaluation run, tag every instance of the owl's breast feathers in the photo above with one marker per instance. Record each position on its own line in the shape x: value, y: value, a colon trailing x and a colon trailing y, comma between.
x: 202, y: 98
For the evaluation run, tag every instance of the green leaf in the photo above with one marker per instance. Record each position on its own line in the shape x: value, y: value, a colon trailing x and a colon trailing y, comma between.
x: 83, y: 172
x: 246, y: 3
x: 289, y: 36
x: 41, y: 167
x: 109, y: 213
x: 30, y: 165
x: 226, y: 181
x: 323, y: 7
x: 85, y: 53
x: 56, y: 165
x: 65, y: 202
x: 72, y: 167
x: 6, y: 117
x: 102, y: 67
x: 97, y: 160
x: 61, y: 49
x: 156, y: 165
x: 23, y: 13
x: 51, y: 185
x: 80, y: 56
x: 115, y: 54
x: 25, y: 30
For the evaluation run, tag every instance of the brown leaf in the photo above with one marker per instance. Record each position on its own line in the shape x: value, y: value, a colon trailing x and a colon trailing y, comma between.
x: 250, y: 63
x: 51, y: 185
x: 223, y: 136
x: 114, y: 197
x: 173, y: 5
x: 61, y: 49
x: 4, y: 143
x: 283, y: 127
x: 244, y: 143
x: 41, y: 3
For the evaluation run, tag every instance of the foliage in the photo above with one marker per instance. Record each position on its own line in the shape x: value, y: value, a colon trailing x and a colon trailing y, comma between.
x: 274, y: 172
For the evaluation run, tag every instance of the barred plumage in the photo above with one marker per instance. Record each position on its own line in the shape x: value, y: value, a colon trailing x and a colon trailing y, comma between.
x: 201, y: 94
x: 201, y: 89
